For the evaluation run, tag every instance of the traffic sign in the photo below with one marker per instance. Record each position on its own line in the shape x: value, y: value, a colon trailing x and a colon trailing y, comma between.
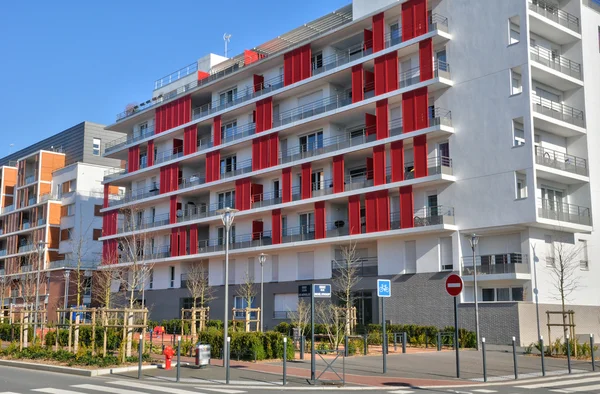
x: 322, y: 291
x: 384, y: 288
x: 304, y: 291
x: 454, y: 285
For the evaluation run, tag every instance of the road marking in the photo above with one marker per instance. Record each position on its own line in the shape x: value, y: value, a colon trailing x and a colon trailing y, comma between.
x: 152, y: 387
x: 226, y: 391
x: 8, y: 392
x: 587, y: 389
x: 484, y: 391
x: 401, y: 392
x: 114, y: 390
x: 51, y: 390
x: 559, y: 384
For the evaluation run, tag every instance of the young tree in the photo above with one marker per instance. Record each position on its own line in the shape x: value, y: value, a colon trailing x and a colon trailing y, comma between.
x: 301, y: 316
x: 247, y: 291
x: 345, y: 279
x: 197, y: 284
x: 4, y: 284
x: 332, y: 317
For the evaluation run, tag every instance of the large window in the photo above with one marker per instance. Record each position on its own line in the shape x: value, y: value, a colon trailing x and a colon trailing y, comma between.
x: 227, y: 199
x: 307, y: 223
x: 311, y: 141
x: 316, y: 60
x: 221, y: 235
x: 228, y: 164
x: 242, y: 303
x: 518, y: 134
x: 96, y: 143
x: 228, y: 130
x: 228, y: 96
x: 318, y: 180
x: 501, y: 294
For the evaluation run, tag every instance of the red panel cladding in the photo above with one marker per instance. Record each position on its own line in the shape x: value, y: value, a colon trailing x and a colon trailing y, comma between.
x: 408, y: 22
x: 276, y: 226
x: 379, y: 165
x: 217, y: 131
x: 286, y: 185
x: 338, y: 174
x: 421, y: 109
x: 368, y: 39
x: 174, y: 242
x: 273, y: 149
x: 257, y: 229
x: 174, y: 177
x: 420, y: 153
x: 194, y: 239
x: 216, y: 167
x: 259, y: 83
x: 370, y: 124
x: 369, y: 168
x: 267, y: 113
x: 150, y: 153
x: 158, y: 119
x: 250, y: 57
x: 112, y: 222
x: 208, y: 165
x: 354, y: 214
x: 369, y: 81
x: 320, y: 220
x: 163, y: 180
x: 182, y: 241
x: 358, y: 93
x: 133, y: 163
x: 397, y: 152
x: 407, y: 207
x: 378, y: 32
x: 239, y: 194
x: 264, y: 151
x: 109, y: 252
x: 383, y: 211
x: 391, y: 71
x: 288, y: 62
x: 371, y: 212
x: 408, y: 112
x: 306, y: 187
x: 305, y: 62
x: 259, y: 116
x: 202, y: 75
x: 380, y: 84
x: 106, y: 193
x: 256, y: 145
x: 297, y: 66
x: 256, y: 192
x: 381, y: 114
x: 426, y: 59
x: 173, y: 209
x: 420, y: 17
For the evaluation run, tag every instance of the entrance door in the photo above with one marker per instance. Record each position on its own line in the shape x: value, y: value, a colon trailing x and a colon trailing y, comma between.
x: 363, y: 301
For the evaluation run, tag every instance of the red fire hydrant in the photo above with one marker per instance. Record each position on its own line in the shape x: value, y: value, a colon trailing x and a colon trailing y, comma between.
x: 168, y: 353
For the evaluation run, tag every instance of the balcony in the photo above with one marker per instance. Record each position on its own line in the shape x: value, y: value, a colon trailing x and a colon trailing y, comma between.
x: 48, y: 196
x: 556, y: 111
x: 119, y: 142
x: 547, y: 58
x: 8, y: 209
x: 564, y: 212
x: 134, y: 195
x: 31, y: 201
x: 359, y: 267
x: 509, y: 265
x: 26, y: 248
x: 26, y: 268
x: 72, y: 264
x: 2, y: 272
x: 428, y: 216
x: 3, y: 252
x: 29, y: 179
x: 243, y: 167
x: 556, y: 15
x: 177, y: 75
x: 561, y: 161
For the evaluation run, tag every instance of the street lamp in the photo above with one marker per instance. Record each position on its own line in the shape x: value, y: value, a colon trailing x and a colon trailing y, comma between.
x: 473, y: 240
x: 261, y: 259
x: 227, y: 215
x: 66, y: 274
x: 41, y: 248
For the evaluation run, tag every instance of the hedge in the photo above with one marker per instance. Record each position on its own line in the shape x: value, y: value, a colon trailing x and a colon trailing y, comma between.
x: 267, y: 345
x: 114, y: 337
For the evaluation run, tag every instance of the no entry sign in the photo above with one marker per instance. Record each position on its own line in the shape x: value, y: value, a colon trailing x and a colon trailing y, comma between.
x: 454, y: 285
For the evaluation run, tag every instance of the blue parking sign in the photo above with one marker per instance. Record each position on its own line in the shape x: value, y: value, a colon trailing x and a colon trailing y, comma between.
x: 384, y: 288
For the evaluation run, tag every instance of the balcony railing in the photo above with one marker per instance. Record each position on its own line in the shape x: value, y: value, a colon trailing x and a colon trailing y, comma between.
x: 119, y: 142
x: 564, y: 212
x: 558, y: 111
x: 26, y: 248
x: 7, y: 209
x: 48, y: 196
x: 3, y: 252
x: 561, y: 161
x: 176, y: 76
x: 556, y: 62
x: 29, y: 179
x: 435, y: 166
x: 506, y: 263
x: 26, y: 268
x: 361, y: 267
x: 73, y: 264
x: 428, y: 216
x: 551, y: 12
x: 237, y: 132
x: 125, y: 225
x: 193, y: 180
x: 134, y: 195
x: 31, y: 201
x: 240, y: 168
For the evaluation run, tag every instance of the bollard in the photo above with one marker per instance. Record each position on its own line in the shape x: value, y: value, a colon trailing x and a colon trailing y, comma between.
x: 568, y: 354
x: 484, y: 364
x: 140, y: 358
x: 542, y: 353
x: 516, y: 368
x: 227, y: 355
x: 365, y: 344
x: 345, y: 345
x: 285, y: 357
x: 404, y: 335
x: 178, y: 357
x: 302, y: 344
x: 439, y: 341
x: 150, y: 352
x: 592, y: 351
x: 395, y: 347
x: 426, y: 339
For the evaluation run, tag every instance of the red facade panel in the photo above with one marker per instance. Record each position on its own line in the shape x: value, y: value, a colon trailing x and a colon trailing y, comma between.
x: 379, y: 165
x: 407, y: 207
x: 369, y: 166
x: 380, y: 85
x: 378, y: 32
x: 173, y: 210
x: 276, y: 226
x: 106, y: 193
x: 370, y: 124
x: 182, y: 241
x: 369, y: 81
x: 243, y: 189
x: 408, y: 112
x: 391, y: 71
x: 264, y: 151
x: 420, y: 17
x: 286, y: 185
x: 306, y: 186
x: 251, y: 57
x: 426, y: 59
x: 367, y: 39
x: 371, y: 212
x: 420, y: 153
x: 305, y: 62
x: 358, y: 93
x: 174, y: 242
x: 257, y: 229
x: 256, y: 192
x: 217, y: 131
x: 421, y: 103
x: 256, y: 152
x: 397, y: 153
x: 320, y: 220
x: 383, y: 211
x: 202, y: 75
x: 173, y: 114
x: 193, y: 239
x: 150, y: 154
x: 273, y: 149
x: 288, y: 62
x: 259, y: 83
x: 338, y: 174
x: 382, y: 124
x: 408, y: 22
x: 190, y: 138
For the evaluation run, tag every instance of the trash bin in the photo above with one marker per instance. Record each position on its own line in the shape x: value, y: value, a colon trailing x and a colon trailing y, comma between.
x: 202, y: 355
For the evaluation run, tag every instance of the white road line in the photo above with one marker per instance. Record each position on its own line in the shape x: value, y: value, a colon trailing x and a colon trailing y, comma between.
x: 8, y: 392
x: 401, y: 392
x: 586, y: 389
x: 51, y: 390
x: 570, y: 382
x: 152, y: 387
x: 484, y: 391
x: 104, y: 389
x: 226, y: 391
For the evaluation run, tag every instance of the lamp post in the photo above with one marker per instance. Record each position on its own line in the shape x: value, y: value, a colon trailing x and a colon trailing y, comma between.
x: 66, y: 274
x: 536, y: 293
x: 473, y: 240
x: 261, y: 259
x: 227, y: 215
x: 41, y: 247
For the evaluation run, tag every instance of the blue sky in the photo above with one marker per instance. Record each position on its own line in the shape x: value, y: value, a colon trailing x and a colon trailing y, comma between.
x: 66, y: 61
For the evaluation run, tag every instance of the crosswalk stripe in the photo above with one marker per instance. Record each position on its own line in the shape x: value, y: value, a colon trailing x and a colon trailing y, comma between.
x: 114, y: 390
x: 162, y: 389
x: 559, y: 384
x: 51, y: 390
x: 484, y: 391
x: 8, y: 392
x: 225, y: 391
x: 579, y: 389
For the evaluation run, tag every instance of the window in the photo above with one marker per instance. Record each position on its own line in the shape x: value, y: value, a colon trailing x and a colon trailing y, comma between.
x: 518, y: 134
x: 97, y: 209
x: 97, y: 233
x: 583, y: 263
x: 144, y: 129
x: 306, y: 265
x: 87, y: 286
x: 171, y: 277
x: 96, y: 142
x: 311, y: 141
x: 316, y: 60
x: 503, y: 294
x: 285, y: 303
x: 488, y: 295
x: 521, y: 186
x: 410, y: 257
x: 395, y: 34
x: 552, y: 199
x: 446, y: 254
x: 276, y: 189
x: 275, y: 268
x: 228, y: 96
x: 517, y: 293
x: 151, y: 279
x: 228, y: 130
x: 228, y: 164
x: 221, y: 235
x: 549, y: 250
x: 66, y: 234
x: 242, y: 303
x: 226, y: 199
x: 359, y: 172
x: 514, y: 34
x: 515, y: 83
x: 307, y: 223
x: 317, y: 180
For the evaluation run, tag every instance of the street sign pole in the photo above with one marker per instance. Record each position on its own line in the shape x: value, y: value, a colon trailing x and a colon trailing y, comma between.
x: 383, y: 335
x: 454, y: 286
x: 312, y: 335
x: 456, y: 347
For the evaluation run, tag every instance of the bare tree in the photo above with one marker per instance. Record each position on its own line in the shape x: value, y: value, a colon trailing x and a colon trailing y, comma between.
x: 563, y: 267
x: 247, y: 290
x: 28, y: 279
x: 345, y: 279
x: 80, y: 248
x: 4, y: 281
x: 197, y: 283
x: 301, y: 316
x: 332, y: 317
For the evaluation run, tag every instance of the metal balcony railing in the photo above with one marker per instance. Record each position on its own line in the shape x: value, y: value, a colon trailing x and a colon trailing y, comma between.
x: 561, y: 161
x: 26, y: 248
x: 127, y: 225
x: 361, y: 267
x: 556, y: 62
x: 564, y: 212
x: 435, y: 165
x: 73, y: 264
x: 134, y: 195
x: 48, y: 196
x: 193, y: 180
x: 558, y: 111
x: 168, y: 154
x: 551, y: 12
x: 3, y: 252
x: 26, y: 268
x: 237, y: 132
x: 243, y: 167
x: 29, y: 179
x: 506, y: 263
x: 176, y: 76
x: 7, y: 209
x: 119, y: 142
x: 428, y: 216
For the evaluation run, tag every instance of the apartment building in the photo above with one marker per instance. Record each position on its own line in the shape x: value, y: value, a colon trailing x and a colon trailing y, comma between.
x: 397, y: 127
x: 50, y: 221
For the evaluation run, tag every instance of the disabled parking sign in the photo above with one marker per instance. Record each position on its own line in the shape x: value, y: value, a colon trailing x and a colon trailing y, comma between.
x: 384, y: 288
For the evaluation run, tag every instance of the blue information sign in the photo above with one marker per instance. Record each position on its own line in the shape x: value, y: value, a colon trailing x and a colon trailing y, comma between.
x: 322, y: 291
x: 384, y: 288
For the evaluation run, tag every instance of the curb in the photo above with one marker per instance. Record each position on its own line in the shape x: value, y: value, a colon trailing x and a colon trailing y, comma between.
x: 71, y: 370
